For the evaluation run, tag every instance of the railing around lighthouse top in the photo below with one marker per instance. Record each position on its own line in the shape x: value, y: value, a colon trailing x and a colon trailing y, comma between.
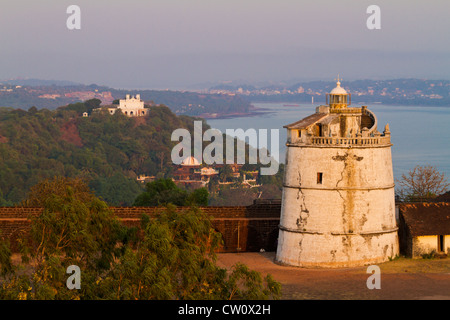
x: 355, y: 141
x: 367, y: 136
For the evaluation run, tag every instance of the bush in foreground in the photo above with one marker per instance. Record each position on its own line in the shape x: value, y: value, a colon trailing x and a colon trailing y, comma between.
x: 170, y: 257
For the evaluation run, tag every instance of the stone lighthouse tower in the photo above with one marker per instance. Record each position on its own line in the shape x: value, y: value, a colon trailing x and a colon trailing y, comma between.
x: 338, y: 206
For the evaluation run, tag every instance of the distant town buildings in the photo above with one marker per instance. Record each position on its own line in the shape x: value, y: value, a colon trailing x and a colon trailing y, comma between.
x: 407, y: 90
x: 145, y: 179
x: 50, y: 96
x: 106, y: 96
x: 192, y: 173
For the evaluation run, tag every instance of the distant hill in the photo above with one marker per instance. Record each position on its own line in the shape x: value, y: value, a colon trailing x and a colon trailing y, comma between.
x: 109, y: 151
x: 23, y: 94
x: 38, y: 82
x: 396, y: 91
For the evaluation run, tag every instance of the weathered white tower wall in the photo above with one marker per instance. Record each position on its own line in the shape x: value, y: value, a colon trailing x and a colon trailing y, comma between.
x: 338, y: 206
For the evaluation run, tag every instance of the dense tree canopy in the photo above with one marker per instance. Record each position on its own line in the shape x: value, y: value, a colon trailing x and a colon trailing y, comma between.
x: 107, y: 151
x: 172, y: 256
x: 165, y: 191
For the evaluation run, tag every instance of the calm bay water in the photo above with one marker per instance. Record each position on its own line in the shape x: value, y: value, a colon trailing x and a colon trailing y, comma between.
x: 420, y: 135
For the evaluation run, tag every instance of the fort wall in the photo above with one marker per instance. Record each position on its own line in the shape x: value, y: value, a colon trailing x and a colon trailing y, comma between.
x: 243, y: 228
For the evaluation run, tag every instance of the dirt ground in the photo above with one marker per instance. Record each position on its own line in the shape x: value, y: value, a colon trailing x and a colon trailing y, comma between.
x: 401, y: 279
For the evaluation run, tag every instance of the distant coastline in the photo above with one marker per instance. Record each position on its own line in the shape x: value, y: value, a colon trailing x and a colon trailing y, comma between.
x: 228, y: 102
x: 254, y: 111
x: 257, y: 111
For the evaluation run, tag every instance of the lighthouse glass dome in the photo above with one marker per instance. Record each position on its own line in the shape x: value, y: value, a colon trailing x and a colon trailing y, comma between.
x: 338, y: 97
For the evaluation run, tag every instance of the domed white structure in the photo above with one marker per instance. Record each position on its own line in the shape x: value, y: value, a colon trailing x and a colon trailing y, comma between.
x: 338, y: 203
x: 338, y: 89
x: 190, y: 161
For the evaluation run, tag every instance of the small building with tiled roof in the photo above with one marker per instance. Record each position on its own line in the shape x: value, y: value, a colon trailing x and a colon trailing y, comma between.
x: 442, y: 198
x: 424, y: 228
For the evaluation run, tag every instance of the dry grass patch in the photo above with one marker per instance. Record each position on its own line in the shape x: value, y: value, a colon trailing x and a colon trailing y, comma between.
x: 408, y: 265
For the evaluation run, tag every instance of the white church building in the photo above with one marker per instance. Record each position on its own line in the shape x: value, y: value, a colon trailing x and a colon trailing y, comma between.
x: 131, y: 106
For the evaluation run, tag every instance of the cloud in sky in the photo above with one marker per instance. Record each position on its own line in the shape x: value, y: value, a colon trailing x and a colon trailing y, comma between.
x: 179, y: 43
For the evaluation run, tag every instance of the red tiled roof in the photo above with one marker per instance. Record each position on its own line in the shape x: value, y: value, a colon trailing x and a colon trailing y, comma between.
x: 426, y: 219
x: 306, y: 122
x: 442, y: 198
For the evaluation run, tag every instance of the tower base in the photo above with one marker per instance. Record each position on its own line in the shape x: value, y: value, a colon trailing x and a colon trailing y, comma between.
x: 335, y: 250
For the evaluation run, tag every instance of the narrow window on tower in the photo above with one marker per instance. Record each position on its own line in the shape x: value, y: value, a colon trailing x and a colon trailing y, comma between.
x: 319, y: 177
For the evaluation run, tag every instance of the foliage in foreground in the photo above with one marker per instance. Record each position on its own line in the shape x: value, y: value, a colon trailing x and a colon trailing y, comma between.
x: 168, y: 257
x: 165, y: 191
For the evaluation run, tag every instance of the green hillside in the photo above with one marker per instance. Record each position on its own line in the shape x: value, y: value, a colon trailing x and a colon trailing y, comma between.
x: 108, y: 151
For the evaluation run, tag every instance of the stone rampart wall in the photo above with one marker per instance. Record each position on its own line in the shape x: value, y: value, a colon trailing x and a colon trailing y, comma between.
x: 243, y: 229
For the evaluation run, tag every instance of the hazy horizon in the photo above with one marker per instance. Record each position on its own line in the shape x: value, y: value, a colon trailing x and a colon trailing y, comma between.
x: 179, y: 44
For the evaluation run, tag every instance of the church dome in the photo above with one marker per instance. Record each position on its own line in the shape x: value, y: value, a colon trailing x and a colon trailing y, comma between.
x: 190, y: 161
